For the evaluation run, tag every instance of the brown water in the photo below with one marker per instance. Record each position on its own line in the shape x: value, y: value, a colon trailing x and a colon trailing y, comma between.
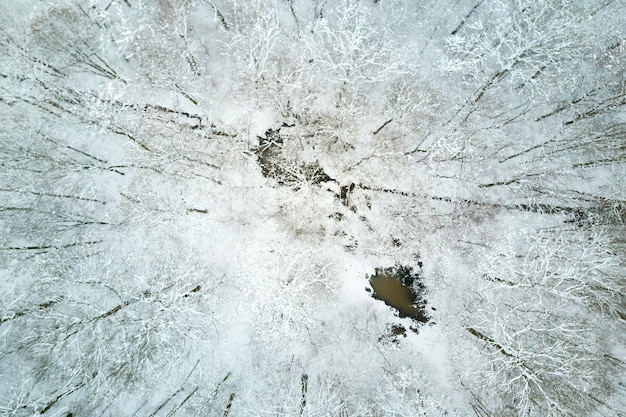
x: 394, y: 293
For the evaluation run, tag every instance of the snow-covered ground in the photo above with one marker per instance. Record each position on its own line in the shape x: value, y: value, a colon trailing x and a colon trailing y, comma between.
x: 154, y: 262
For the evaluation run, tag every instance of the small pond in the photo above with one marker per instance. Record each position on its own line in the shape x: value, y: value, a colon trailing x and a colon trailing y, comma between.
x: 402, y: 289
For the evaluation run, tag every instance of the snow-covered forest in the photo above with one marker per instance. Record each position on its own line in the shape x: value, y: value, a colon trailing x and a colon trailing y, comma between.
x: 194, y: 195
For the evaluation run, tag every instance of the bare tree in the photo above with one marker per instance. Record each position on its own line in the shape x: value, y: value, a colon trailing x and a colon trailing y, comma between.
x: 191, y: 192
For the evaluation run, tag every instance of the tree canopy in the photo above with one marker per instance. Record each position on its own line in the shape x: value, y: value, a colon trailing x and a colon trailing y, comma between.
x: 193, y: 194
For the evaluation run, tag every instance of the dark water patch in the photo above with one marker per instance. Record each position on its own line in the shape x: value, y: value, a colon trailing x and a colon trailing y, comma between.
x: 285, y: 170
x: 269, y: 151
x: 396, y: 332
x: 402, y: 289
